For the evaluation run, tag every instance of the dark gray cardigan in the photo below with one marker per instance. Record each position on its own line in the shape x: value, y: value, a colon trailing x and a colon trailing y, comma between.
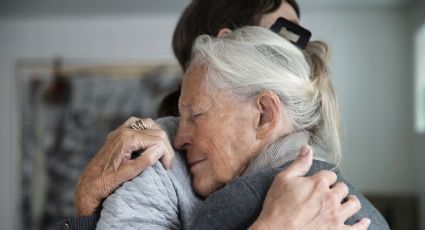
x: 238, y: 204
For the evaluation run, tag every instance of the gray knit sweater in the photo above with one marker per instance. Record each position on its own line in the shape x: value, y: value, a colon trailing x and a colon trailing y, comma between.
x: 156, y: 199
x: 164, y: 199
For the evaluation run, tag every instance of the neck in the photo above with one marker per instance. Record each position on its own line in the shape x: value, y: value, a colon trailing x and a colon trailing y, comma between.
x: 282, y: 150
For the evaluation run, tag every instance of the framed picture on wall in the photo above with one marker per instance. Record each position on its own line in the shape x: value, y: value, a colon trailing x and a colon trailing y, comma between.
x: 65, y: 113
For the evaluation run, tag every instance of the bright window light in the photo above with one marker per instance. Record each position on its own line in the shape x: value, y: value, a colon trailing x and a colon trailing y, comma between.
x: 420, y: 80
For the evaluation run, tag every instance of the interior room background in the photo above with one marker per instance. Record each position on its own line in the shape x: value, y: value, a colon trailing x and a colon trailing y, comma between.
x: 377, y: 63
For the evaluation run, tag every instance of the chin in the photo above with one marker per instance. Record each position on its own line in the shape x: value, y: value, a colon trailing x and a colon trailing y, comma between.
x: 204, y: 188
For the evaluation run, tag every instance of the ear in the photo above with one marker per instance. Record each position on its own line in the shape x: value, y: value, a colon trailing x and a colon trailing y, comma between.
x: 269, y: 117
x: 223, y: 32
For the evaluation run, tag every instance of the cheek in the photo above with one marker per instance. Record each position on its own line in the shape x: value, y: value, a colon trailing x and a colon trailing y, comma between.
x: 219, y: 168
x: 231, y: 144
x: 224, y: 141
x: 224, y: 161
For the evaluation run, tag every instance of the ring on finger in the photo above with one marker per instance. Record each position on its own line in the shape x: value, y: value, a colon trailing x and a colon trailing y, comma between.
x: 139, y: 125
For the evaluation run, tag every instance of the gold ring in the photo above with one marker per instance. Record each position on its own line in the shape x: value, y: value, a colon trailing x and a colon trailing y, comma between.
x: 139, y: 125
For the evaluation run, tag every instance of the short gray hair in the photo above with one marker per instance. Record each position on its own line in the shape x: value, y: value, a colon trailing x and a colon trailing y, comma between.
x: 252, y: 60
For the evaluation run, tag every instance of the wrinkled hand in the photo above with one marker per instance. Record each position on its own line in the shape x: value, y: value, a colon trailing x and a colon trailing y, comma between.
x: 298, y: 202
x: 113, y: 165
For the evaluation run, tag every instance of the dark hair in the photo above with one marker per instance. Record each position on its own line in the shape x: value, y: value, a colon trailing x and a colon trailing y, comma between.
x: 208, y: 17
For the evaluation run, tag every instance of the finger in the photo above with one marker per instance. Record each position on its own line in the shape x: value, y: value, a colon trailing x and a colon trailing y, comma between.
x: 350, y: 207
x: 169, y: 155
x: 161, y: 134
x: 167, y: 160
x: 302, y: 164
x: 326, y: 176
x: 129, y: 121
x: 340, y: 189
x: 363, y: 224
x: 132, y: 168
x: 137, y: 140
x: 150, y: 124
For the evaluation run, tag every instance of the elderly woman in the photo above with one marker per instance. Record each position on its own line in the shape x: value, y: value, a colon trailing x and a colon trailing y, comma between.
x: 249, y: 102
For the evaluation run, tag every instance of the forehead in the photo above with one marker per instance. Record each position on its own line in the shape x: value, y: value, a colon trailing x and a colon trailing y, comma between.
x: 194, y: 78
x: 193, y: 87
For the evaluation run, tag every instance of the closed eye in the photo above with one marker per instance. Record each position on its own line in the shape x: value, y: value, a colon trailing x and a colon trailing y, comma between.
x: 197, y: 115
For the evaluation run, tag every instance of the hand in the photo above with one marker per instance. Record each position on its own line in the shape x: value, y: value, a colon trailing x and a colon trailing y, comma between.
x: 297, y: 202
x: 113, y: 165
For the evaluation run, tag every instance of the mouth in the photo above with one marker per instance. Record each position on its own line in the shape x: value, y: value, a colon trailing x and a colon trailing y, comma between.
x: 195, y: 162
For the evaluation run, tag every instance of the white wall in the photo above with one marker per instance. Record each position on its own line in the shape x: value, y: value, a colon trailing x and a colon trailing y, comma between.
x: 370, y: 65
x: 371, y: 68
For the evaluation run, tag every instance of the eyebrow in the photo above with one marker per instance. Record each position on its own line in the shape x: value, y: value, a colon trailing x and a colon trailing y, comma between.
x: 186, y: 106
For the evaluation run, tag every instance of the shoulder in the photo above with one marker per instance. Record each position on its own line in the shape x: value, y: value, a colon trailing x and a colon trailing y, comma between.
x: 147, y: 200
x: 367, y: 210
x: 153, y: 184
x: 233, y: 207
x: 243, y: 198
x: 169, y: 125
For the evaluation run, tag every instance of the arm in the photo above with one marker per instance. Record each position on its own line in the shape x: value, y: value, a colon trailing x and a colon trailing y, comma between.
x: 308, y: 202
x: 149, y: 201
x: 113, y: 165
x: 293, y: 202
x: 344, y: 207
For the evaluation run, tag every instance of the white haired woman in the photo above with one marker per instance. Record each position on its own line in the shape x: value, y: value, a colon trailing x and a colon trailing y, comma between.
x: 249, y: 102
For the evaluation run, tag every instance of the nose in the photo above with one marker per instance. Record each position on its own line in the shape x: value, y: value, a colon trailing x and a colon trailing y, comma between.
x: 183, y: 136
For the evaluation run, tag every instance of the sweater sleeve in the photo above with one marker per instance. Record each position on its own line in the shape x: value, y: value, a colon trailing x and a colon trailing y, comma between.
x: 78, y: 223
x: 238, y: 204
x: 149, y: 201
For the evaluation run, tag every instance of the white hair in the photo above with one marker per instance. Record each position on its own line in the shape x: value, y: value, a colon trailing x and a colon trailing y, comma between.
x: 252, y: 60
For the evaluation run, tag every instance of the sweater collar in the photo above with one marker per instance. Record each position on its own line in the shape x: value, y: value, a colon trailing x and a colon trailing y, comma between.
x: 282, y: 150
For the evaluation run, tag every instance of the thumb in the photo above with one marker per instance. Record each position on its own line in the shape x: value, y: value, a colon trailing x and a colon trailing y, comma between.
x: 363, y: 224
x: 302, y: 164
x: 132, y: 168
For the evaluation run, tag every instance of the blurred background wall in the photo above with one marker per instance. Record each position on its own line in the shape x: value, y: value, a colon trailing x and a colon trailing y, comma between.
x: 374, y: 61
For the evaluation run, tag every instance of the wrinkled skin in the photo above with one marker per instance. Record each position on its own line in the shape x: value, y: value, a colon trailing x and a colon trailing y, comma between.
x: 112, y: 165
x: 219, y: 140
x: 298, y: 202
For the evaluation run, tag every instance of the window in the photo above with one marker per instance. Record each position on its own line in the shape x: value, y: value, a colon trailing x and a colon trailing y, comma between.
x: 420, y: 80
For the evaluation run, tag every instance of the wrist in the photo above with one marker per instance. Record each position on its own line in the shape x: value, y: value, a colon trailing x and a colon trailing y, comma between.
x: 87, y: 207
x: 86, y: 204
x: 271, y: 221
x: 259, y: 225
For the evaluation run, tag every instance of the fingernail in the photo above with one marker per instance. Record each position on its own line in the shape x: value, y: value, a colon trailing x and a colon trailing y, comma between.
x: 367, y: 221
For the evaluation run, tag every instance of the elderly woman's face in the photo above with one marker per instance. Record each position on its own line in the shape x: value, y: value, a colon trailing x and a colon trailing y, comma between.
x: 218, y: 133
